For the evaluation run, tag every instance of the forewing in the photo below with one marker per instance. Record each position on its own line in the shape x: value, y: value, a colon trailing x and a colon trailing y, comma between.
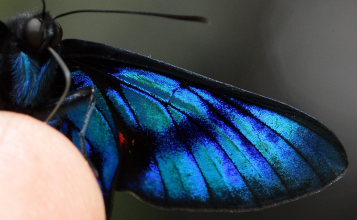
x: 191, y: 142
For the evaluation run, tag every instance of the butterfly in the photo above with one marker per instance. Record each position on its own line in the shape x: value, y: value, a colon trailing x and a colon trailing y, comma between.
x: 174, y: 138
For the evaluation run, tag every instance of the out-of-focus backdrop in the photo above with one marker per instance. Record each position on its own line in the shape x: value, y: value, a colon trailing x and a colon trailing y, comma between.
x: 303, y: 53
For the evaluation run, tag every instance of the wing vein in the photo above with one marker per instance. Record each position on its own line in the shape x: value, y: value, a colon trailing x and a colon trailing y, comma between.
x: 246, y: 139
x: 194, y: 158
x: 280, y: 136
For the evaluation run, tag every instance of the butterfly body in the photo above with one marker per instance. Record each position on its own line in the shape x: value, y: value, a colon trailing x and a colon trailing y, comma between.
x: 29, y: 71
x: 173, y: 137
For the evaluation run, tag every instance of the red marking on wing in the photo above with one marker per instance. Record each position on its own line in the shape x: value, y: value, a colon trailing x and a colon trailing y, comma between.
x: 122, y: 139
x: 125, y: 144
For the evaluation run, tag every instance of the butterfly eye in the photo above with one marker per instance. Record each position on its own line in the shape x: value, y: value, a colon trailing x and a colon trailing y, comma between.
x: 34, y: 33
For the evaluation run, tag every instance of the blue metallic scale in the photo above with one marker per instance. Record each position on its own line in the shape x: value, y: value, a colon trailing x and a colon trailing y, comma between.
x: 307, y: 141
x: 32, y: 79
x: 208, y: 151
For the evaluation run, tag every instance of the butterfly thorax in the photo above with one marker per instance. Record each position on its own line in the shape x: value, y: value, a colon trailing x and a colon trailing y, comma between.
x: 31, y: 80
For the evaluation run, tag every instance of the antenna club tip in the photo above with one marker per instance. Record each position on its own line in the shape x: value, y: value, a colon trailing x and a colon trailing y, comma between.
x: 198, y: 19
x: 204, y: 20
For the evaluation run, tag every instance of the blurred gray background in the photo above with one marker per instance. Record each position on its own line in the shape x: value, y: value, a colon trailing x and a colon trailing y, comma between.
x: 301, y: 52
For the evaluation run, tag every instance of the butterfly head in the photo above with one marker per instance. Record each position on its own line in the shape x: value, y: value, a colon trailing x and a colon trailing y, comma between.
x: 31, y: 33
x: 41, y: 32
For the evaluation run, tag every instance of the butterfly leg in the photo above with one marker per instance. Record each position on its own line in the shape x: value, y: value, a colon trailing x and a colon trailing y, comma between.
x: 86, y: 95
x: 83, y: 97
x: 90, y: 92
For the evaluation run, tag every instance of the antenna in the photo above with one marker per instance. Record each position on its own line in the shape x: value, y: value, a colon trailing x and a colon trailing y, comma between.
x: 43, y: 8
x: 153, y: 14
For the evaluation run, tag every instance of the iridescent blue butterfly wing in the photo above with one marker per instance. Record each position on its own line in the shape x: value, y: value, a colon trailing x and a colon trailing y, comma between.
x: 187, y: 141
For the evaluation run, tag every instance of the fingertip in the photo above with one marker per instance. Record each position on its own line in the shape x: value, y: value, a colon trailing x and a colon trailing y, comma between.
x: 43, y: 175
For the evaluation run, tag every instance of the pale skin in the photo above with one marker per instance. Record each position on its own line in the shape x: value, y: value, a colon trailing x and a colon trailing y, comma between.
x: 43, y: 175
